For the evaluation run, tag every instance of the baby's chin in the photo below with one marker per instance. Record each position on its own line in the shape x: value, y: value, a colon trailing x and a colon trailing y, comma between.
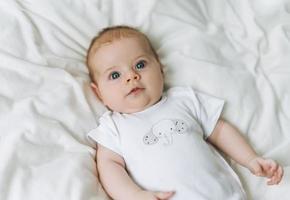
x: 141, y: 106
x: 131, y: 110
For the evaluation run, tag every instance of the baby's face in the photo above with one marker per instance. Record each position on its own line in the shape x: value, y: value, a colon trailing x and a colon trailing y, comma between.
x: 129, y: 78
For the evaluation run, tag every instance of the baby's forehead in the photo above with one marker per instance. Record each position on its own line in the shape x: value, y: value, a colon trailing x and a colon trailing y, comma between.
x: 109, y: 41
x: 121, y: 48
x: 118, y: 50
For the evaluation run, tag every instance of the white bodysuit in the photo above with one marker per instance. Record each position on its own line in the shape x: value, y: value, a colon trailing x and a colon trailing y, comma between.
x: 164, y: 146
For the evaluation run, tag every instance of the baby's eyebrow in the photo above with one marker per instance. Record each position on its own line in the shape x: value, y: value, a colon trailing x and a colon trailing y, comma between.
x: 141, y: 56
x: 109, y: 69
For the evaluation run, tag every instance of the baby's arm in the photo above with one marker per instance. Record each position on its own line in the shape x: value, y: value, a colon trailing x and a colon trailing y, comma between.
x: 116, y: 180
x: 228, y: 139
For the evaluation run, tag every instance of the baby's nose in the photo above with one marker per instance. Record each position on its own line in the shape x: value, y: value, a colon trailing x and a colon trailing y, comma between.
x: 133, y: 76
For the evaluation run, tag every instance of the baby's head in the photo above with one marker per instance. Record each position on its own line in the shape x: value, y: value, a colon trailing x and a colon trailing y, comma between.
x: 125, y: 70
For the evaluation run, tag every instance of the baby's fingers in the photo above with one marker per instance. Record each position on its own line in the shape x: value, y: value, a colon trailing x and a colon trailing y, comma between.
x: 270, y: 167
x: 277, y: 176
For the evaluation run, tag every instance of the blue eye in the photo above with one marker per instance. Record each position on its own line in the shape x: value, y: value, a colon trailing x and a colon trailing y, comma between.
x: 115, y: 75
x: 140, y: 64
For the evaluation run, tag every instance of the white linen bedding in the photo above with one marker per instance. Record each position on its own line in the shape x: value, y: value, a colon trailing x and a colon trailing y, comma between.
x: 236, y: 50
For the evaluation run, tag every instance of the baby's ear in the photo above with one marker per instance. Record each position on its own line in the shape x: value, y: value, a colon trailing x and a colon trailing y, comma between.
x: 96, y: 91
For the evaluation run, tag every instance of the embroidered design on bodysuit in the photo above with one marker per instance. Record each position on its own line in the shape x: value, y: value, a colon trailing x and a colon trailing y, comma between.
x: 164, y: 130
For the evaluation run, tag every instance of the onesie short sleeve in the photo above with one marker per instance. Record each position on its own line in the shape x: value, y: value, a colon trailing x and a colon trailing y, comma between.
x: 208, y: 110
x: 106, y: 133
x: 205, y: 108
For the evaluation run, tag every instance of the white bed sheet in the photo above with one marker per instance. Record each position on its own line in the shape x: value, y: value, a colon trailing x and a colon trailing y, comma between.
x: 237, y: 50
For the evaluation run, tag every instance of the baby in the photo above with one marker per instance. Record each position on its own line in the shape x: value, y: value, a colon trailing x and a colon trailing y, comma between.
x: 154, y: 145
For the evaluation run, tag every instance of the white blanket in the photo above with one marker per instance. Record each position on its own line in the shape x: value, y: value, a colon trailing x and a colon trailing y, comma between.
x: 237, y: 50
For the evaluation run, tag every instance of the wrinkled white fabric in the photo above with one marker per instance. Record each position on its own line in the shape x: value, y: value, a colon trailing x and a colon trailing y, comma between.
x: 237, y: 50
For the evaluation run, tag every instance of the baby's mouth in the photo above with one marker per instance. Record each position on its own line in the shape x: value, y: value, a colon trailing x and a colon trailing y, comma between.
x: 135, y: 91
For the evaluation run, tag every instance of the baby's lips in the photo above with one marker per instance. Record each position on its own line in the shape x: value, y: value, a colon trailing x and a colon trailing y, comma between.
x: 134, y: 90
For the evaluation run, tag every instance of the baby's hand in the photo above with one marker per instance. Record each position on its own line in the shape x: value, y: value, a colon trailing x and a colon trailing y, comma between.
x: 148, y: 195
x: 266, y: 167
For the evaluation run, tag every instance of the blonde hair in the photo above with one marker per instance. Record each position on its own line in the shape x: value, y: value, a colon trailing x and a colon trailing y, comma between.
x: 110, y: 34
